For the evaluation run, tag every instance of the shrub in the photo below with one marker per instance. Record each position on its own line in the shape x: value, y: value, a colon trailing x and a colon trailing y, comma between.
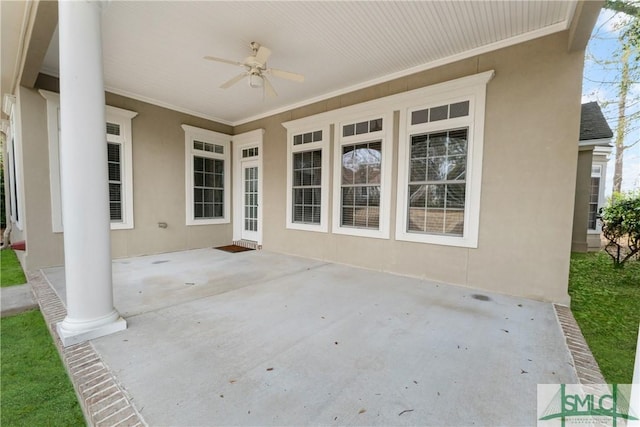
x: 621, y: 226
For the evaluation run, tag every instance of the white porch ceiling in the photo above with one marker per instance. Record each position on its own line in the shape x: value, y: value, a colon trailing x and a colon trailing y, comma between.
x: 153, y: 49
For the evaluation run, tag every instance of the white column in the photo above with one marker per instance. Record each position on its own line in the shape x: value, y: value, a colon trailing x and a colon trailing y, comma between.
x: 83, y: 176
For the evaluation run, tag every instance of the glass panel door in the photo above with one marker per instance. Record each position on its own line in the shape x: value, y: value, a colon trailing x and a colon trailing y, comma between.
x: 250, y: 201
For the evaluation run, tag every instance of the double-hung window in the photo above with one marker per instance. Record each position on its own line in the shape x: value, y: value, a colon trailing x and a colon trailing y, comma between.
x: 207, y: 166
x: 307, y: 187
x: 440, y: 131
x: 437, y: 179
x: 119, y: 163
x: 15, y: 187
x: 594, y: 196
x: 307, y: 179
x: 440, y: 166
x: 115, y: 161
x: 361, y: 177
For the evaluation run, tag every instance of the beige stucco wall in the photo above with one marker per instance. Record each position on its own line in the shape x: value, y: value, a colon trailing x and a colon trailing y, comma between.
x: 594, y: 242
x: 44, y: 248
x: 529, y: 176
x: 158, y: 185
x: 581, y: 211
x: 528, y: 182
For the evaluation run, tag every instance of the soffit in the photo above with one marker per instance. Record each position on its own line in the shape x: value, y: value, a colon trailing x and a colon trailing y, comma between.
x: 13, y: 16
x: 153, y: 50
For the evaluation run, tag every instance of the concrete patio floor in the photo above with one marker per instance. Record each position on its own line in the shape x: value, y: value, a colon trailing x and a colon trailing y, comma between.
x: 258, y: 338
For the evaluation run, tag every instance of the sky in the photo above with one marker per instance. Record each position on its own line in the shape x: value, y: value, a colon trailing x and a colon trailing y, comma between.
x: 602, y: 47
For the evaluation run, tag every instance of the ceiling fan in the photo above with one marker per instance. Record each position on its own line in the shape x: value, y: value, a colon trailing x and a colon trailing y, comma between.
x: 255, y: 69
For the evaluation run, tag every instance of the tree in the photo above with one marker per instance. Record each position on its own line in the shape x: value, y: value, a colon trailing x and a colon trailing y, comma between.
x: 621, y: 227
x: 630, y: 41
x: 622, y: 65
x: 622, y: 128
x: 631, y: 8
x: 631, y: 34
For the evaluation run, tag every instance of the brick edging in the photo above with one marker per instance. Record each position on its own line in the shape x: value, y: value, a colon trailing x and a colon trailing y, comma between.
x: 102, y: 399
x: 584, y: 363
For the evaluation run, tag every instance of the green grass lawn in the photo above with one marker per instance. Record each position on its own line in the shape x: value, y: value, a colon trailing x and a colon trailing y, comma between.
x: 11, y: 270
x: 606, y: 304
x: 36, y: 390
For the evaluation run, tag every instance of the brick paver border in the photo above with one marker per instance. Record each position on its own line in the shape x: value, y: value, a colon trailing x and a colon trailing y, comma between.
x: 584, y: 363
x: 103, y: 400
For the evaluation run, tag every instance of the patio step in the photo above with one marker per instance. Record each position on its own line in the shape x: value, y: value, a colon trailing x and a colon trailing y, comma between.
x: 247, y: 244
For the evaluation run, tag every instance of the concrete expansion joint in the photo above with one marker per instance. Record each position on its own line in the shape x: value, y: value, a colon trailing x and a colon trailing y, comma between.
x: 103, y: 400
x: 585, y: 365
x: 302, y: 270
x: 262, y: 283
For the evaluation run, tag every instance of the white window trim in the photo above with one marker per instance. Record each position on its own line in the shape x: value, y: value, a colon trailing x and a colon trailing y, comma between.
x: 239, y: 143
x: 476, y: 95
x: 192, y: 133
x: 113, y: 115
x: 601, y: 199
x: 123, y: 118
x: 53, y: 129
x: 472, y: 88
x: 386, y: 136
x: 323, y: 145
x: 14, y: 152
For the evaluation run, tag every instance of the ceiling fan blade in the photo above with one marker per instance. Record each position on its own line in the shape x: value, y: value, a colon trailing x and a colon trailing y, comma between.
x: 268, y: 88
x: 226, y: 61
x: 262, y: 55
x: 286, y: 75
x: 233, y: 81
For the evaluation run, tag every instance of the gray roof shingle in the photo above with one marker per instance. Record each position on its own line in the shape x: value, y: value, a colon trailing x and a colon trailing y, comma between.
x: 593, y: 125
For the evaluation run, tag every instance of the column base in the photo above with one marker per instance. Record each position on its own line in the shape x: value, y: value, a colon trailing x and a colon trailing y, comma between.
x: 71, y: 337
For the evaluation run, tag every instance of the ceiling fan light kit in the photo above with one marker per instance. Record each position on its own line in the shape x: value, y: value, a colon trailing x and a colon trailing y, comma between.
x: 255, y: 81
x: 255, y: 69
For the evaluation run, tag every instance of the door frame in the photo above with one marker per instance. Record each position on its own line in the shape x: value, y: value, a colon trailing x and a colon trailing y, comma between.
x: 244, y: 165
x: 239, y: 143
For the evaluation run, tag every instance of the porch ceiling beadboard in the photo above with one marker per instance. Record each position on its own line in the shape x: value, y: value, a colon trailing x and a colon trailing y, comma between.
x: 153, y: 50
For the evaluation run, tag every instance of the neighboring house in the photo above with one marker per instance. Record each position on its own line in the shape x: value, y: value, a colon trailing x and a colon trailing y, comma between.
x: 430, y: 139
x: 594, y: 149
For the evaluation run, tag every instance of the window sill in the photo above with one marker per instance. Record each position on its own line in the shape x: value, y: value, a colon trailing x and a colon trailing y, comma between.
x: 462, y: 242
x: 112, y: 226
x: 121, y: 226
x: 319, y: 228
x: 361, y: 232
x: 208, y: 221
